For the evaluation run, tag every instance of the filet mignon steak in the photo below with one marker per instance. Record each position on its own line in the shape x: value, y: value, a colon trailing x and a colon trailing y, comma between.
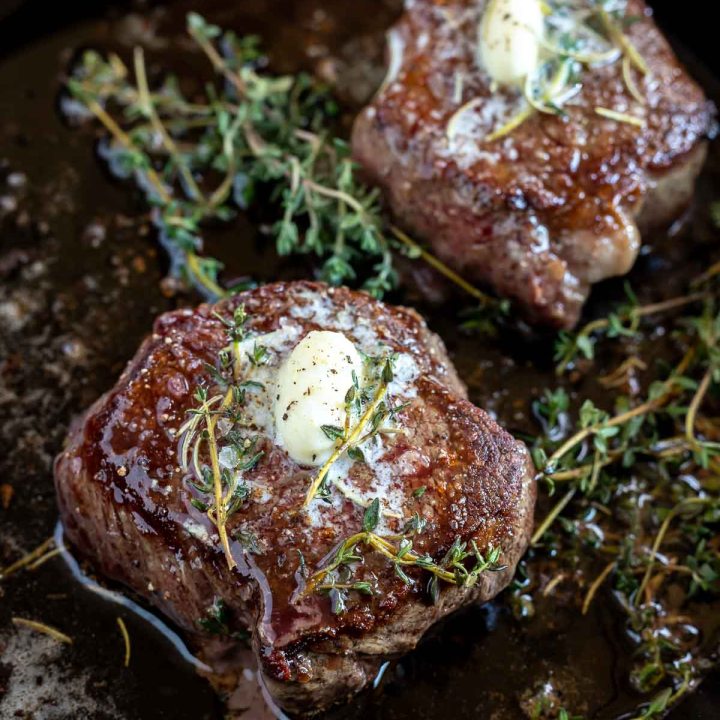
x: 558, y: 203
x: 446, y: 476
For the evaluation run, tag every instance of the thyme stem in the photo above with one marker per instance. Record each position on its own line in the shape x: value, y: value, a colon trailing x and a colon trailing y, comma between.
x: 633, y: 315
x: 622, y: 418
x: 677, y: 510
x: 208, y: 283
x: 217, y: 61
x: 454, y: 574
x: 312, y: 584
x: 695, y: 406
x: 552, y: 516
x: 596, y: 586
x: 623, y: 42
x: 220, y: 514
x: 441, y: 267
x: 346, y: 444
x: 126, y: 641
x: 157, y: 184
x: 124, y: 139
x: 47, y: 556
x: 147, y: 105
x: 41, y: 627
x: 27, y: 559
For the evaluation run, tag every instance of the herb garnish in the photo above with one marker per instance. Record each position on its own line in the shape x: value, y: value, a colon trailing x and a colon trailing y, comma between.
x: 219, y: 483
x: 257, y: 136
x: 370, y: 406
x: 623, y: 322
x: 637, y: 485
x: 43, y: 628
x: 336, y: 578
x: 578, y: 36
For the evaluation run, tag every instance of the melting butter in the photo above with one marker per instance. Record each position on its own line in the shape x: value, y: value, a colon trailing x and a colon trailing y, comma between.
x: 311, y: 387
x: 509, y: 39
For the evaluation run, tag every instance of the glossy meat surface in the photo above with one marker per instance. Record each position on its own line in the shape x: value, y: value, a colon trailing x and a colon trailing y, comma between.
x: 559, y: 203
x: 126, y: 502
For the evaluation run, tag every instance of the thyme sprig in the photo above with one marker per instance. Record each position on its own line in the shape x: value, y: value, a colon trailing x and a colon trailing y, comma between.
x: 462, y: 564
x: 220, y: 485
x: 650, y: 467
x: 258, y: 136
x: 367, y: 404
x: 625, y: 322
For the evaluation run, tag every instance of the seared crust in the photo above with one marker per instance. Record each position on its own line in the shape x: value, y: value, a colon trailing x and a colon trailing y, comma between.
x: 551, y: 208
x: 125, y: 502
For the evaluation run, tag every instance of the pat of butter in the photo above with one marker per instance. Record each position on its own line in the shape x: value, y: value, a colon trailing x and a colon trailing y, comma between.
x: 509, y: 39
x: 311, y: 388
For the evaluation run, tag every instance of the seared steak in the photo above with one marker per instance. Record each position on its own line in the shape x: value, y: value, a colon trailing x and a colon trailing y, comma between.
x: 558, y: 203
x: 130, y: 506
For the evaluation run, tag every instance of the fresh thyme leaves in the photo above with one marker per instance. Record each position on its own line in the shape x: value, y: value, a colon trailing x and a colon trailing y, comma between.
x: 219, y: 479
x: 259, y: 355
x: 462, y: 564
x: 332, y: 432
x: 249, y: 541
x: 633, y: 488
x: 367, y: 409
x: 623, y: 322
x: 371, y: 518
x: 257, y: 137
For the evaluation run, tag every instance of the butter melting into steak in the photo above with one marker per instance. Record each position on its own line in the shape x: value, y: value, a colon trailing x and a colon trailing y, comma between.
x: 443, y: 471
x: 541, y: 212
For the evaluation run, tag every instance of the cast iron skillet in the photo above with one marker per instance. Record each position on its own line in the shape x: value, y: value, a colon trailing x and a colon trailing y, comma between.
x: 81, y: 271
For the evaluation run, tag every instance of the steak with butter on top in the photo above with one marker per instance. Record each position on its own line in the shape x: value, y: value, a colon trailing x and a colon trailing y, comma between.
x: 532, y: 143
x: 362, y: 496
